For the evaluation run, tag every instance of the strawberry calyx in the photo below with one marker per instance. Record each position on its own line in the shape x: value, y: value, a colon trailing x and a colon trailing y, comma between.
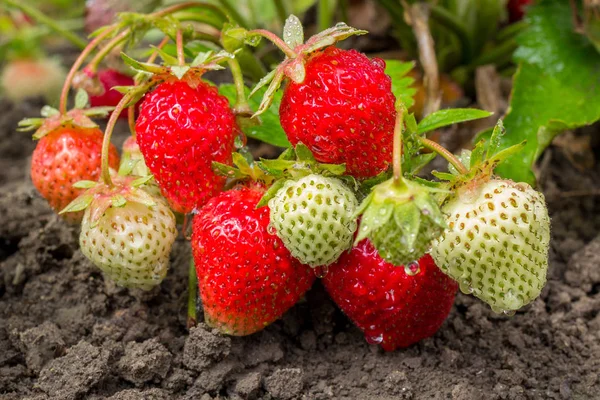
x: 297, y: 52
x: 100, y: 196
x: 409, y: 211
x: 52, y: 119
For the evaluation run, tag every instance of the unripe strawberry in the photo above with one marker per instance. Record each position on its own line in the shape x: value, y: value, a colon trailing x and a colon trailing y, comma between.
x: 26, y: 78
x: 496, y: 244
x: 314, y: 217
x: 128, y: 234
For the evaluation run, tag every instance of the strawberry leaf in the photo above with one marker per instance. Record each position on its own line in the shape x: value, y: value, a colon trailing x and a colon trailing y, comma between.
x: 79, y: 204
x: 269, y: 130
x: 48, y: 111
x: 448, y: 117
x: 555, y: 87
x: 293, y: 33
x: 81, y: 99
x: 401, y: 82
x: 85, y: 184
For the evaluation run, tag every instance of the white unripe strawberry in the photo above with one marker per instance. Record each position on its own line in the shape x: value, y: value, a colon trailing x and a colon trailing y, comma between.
x: 314, y: 217
x: 496, y: 244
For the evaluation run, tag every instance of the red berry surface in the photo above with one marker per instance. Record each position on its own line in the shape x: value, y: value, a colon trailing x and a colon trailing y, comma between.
x: 181, y: 130
x: 66, y: 156
x: 517, y: 8
x: 110, y: 78
x: 247, y: 278
x: 343, y: 111
x: 395, y: 306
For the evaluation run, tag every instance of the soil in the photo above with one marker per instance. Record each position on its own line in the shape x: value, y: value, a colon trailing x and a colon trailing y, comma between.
x: 66, y: 333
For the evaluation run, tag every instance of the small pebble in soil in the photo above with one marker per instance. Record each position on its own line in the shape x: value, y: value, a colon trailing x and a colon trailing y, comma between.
x: 144, y: 362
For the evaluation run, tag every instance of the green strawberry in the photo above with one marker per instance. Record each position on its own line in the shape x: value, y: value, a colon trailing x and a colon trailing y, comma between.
x: 496, y: 244
x: 401, y: 219
x: 126, y: 232
x: 314, y: 217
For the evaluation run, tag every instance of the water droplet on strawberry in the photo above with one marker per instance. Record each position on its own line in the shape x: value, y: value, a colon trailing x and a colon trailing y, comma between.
x: 412, y: 268
x: 320, y: 272
x: 375, y: 339
x: 271, y: 230
x: 465, y: 287
x: 510, y: 313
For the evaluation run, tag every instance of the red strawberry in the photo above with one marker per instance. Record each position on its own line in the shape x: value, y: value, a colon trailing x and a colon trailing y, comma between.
x: 343, y: 111
x: 247, y: 277
x: 63, y: 157
x: 393, y: 306
x: 517, y: 8
x: 181, y: 130
x: 110, y: 78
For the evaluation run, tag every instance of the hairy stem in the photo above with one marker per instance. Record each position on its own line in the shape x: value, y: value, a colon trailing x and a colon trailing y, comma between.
x: 179, y: 44
x: 88, y: 49
x: 110, y: 126
x: 114, y: 42
x: 439, y: 149
x: 131, y: 119
x: 241, y: 103
x: 43, y: 19
x: 192, y: 295
x: 281, y: 45
x: 398, y: 150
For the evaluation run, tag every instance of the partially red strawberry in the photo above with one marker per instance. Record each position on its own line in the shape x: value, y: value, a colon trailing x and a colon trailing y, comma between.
x: 343, y: 111
x: 65, y: 156
x: 247, y: 278
x: 109, y: 78
x: 181, y: 129
x: 395, y: 306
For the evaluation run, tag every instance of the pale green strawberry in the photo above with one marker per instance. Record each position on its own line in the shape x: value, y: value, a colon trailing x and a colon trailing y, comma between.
x: 496, y: 244
x: 314, y: 217
x: 401, y: 219
x: 126, y: 232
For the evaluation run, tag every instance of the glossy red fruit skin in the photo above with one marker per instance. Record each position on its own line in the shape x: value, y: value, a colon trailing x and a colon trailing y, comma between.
x: 391, y: 307
x: 110, y: 78
x: 64, y: 157
x: 343, y: 111
x: 181, y: 130
x: 247, y: 278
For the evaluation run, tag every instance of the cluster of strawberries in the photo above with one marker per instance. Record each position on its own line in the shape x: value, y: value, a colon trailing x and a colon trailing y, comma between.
x: 259, y: 246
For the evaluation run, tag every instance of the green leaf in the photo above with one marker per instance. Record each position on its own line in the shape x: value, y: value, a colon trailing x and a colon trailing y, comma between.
x: 449, y: 116
x: 84, y: 184
x: 79, y: 204
x: 401, y: 82
x: 269, y: 194
x: 81, y: 99
x: 142, y: 180
x: 118, y: 200
x: 269, y: 130
x: 303, y: 153
x: 48, y: 111
x: 293, y: 33
x: 556, y: 86
x: 179, y: 72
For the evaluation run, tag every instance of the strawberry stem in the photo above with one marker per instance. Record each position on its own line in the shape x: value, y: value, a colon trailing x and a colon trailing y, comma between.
x: 439, y: 149
x: 179, y: 44
x: 398, y: 150
x: 131, y: 119
x: 189, y: 4
x: 86, y: 51
x: 114, y: 42
x: 192, y: 295
x: 281, y: 45
x: 241, y: 103
x: 42, y: 19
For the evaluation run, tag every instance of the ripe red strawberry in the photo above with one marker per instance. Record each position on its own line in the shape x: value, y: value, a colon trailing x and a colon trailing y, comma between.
x: 517, y: 8
x: 247, y: 278
x: 110, y: 78
x: 63, y: 157
x: 343, y: 111
x: 181, y: 130
x: 394, y: 306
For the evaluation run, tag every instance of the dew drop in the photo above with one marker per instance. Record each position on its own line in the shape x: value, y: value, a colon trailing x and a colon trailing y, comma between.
x: 465, y: 287
x: 271, y: 230
x: 375, y: 339
x: 412, y: 268
x: 510, y: 313
x: 320, y: 272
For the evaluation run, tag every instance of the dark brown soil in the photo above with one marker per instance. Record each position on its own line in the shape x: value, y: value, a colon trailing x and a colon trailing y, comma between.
x: 65, y: 333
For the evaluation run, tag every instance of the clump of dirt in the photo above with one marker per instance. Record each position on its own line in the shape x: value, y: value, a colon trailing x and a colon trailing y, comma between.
x: 66, y: 333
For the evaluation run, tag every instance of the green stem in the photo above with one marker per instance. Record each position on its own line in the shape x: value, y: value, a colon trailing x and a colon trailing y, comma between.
x: 237, y: 17
x: 281, y: 45
x: 445, y: 18
x: 69, y: 79
x: 324, y: 15
x: 110, y: 126
x: 43, y: 19
x: 192, y: 295
x: 114, y: 42
x: 131, y: 119
x: 398, y: 149
x: 241, y: 103
x: 179, y: 45
x: 190, y: 4
x: 439, y: 149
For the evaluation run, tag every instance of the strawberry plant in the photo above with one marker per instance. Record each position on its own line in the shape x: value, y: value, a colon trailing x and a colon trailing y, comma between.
x: 344, y: 201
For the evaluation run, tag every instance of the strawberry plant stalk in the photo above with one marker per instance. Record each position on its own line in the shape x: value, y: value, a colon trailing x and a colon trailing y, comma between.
x: 398, y: 150
x: 192, y: 295
x: 281, y: 45
x: 114, y: 42
x: 436, y: 147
